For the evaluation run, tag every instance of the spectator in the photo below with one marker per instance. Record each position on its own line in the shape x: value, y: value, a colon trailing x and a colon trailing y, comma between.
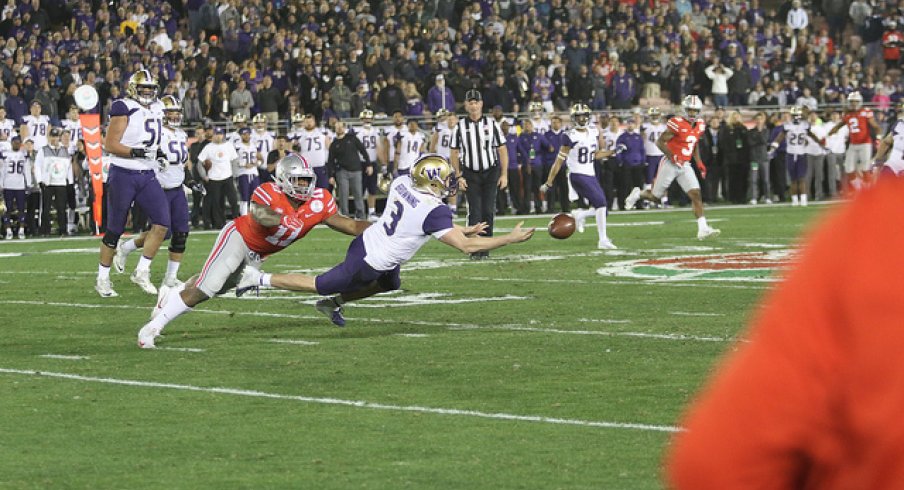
x: 218, y: 158
x: 631, y: 156
x: 440, y: 96
x: 739, y: 84
x: 269, y: 100
x: 542, y: 89
x: 500, y: 94
x: 191, y: 107
x: 624, y: 89
x: 392, y: 98
x: 581, y: 87
x: 714, y: 189
x: 758, y: 142
x: 414, y: 105
x: 719, y: 75
x: 560, y: 95
x: 341, y: 97
x: 797, y: 17
x: 241, y: 101
x: 735, y: 155
x: 16, y: 107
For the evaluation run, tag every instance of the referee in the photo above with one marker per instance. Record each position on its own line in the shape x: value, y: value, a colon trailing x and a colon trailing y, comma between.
x: 479, y: 144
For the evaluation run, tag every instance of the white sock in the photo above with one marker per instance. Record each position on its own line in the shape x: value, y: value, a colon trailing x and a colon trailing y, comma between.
x: 803, y: 199
x: 172, y: 268
x: 265, y: 280
x: 144, y: 264
x: 129, y: 246
x: 794, y: 199
x: 173, y: 307
x: 701, y: 223
x: 103, y: 272
x: 243, y: 208
x: 371, y: 211
x: 601, y: 223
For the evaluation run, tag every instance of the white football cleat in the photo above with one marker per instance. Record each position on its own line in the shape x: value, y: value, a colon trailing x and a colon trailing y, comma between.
x: 119, y: 260
x: 162, y: 293
x: 708, y: 232
x: 143, y: 280
x: 606, y: 244
x: 146, y: 336
x: 21, y: 233
x: 105, y: 288
x: 250, y: 281
x: 579, y: 220
x: 172, y: 282
x: 9, y: 233
x: 632, y: 198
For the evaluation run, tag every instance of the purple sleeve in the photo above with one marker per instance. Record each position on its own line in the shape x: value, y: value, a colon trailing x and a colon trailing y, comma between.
x: 439, y: 219
x: 119, y: 108
x: 566, y: 141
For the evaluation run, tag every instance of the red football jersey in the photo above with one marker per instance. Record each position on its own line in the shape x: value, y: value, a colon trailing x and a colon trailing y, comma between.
x: 858, y: 126
x: 686, y: 137
x: 267, y: 240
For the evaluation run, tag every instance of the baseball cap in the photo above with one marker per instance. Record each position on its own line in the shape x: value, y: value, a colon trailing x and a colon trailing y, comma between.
x: 219, y: 130
x: 245, y: 130
x: 440, y: 77
x: 473, y: 94
x: 55, y: 132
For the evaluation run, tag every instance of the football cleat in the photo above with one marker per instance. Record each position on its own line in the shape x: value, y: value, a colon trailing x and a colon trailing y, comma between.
x: 21, y: 233
x: 146, y: 336
x: 632, y: 198
x: 331, y: 310
x: 173, y: 282
x: 708, y: 232
x: 606, y: 244
x: 143, y: 280
x: 250, y: 281
x: 9, y: 233
x: 119, y: 260
x: 105, y: 288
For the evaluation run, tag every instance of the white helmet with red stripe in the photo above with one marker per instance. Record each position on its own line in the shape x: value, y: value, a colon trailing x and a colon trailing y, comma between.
x: 692, y: 106
x: 855, y: 99
x: 295, y: 177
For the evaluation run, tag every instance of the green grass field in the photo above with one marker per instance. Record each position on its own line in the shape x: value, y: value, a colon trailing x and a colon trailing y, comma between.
x: 552, y: 365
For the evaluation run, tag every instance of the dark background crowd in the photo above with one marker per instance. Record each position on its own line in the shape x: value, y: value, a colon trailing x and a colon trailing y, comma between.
x: 334, y: 58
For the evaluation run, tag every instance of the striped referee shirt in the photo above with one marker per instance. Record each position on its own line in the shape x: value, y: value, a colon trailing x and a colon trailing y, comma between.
x: 477, y: 143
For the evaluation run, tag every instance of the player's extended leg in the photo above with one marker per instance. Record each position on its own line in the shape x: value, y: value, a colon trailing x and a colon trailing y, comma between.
x: 153, y: 201
x: 122, y: 187
x: 588, y: 187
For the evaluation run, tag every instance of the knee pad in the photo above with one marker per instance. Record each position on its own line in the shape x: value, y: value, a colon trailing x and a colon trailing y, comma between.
x: 111, y: 239
x: 390, y: 281
x: 177, y: 242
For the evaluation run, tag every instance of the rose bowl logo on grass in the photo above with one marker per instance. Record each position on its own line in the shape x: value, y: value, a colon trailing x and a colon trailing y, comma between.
x: 744, y: 266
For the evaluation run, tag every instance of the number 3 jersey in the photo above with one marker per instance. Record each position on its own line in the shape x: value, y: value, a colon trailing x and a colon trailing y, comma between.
x: 174, y: 145
x: 266, y: 240
x: 685, y: 140
x: 410, y: 219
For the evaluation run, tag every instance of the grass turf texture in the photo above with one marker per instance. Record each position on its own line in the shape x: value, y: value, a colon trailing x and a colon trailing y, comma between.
x: 567, y: 349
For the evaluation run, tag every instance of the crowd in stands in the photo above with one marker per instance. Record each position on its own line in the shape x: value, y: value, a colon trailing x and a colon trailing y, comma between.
x: 334, y: 58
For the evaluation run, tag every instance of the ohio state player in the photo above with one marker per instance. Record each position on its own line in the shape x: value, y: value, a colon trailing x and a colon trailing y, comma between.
x: 858, y: 157
x: 678, y: 144
x: 282, y: 212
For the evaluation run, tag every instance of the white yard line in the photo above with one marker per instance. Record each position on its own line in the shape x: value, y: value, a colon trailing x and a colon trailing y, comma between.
x: 181, y: 349
x: 697, y: 283
x: 450, y: 325
x: 601, y: 320
x: 293, y: 342
x: 694, y: 313
x: 346, y: 403
x: 64, y: 357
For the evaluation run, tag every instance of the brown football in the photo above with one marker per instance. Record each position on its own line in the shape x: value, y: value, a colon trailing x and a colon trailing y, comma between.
x: 561, y: 226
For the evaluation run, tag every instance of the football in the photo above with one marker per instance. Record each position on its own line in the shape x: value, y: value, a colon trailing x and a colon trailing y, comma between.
x: 561, y: 226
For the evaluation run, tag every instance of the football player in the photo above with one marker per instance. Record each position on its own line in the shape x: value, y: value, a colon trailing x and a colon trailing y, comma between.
x: 250, y: 158
x: 295, y: 133
x: 537, y: 117
x: 390, y: 133
x: 15, y: 178
x: 6, y: 126
x: 651, y: 131
x: 73, y: 128
x: 414, y: 213
x: 282, y: 212
x: 678, y: 145
x: 372, y: 139
x: 891, y: 145
x: 261, y: 137
x: 857, y: 159
x: 133, y: 143
x: 315, y: 148
x: 174, y: 145
x: 441, y: 143
x: 797, y: 132
x: 409, y: 145
x: 239, y: 121
x: 35, y: 126
x: 580, y: 147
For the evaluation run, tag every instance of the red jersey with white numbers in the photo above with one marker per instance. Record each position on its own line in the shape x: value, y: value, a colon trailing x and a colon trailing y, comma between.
x: 685, y: 140
x: 858, y: 125
x: 266, y: 240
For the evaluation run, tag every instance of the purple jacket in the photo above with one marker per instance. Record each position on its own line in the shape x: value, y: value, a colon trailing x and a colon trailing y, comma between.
x: 436, y: 97
x: 555, y: 141
x: 633, y: 154
x: 624, y: 87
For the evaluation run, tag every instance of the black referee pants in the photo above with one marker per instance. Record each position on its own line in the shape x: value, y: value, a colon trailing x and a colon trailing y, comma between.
x: 482, y: 196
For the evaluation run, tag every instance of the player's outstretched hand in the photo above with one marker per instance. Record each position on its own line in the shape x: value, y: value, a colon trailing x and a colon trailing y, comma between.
x: 519, y: 234
x: 475, y: 230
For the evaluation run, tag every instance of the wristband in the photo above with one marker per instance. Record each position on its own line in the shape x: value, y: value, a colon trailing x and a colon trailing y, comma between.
x: 136, y: 152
